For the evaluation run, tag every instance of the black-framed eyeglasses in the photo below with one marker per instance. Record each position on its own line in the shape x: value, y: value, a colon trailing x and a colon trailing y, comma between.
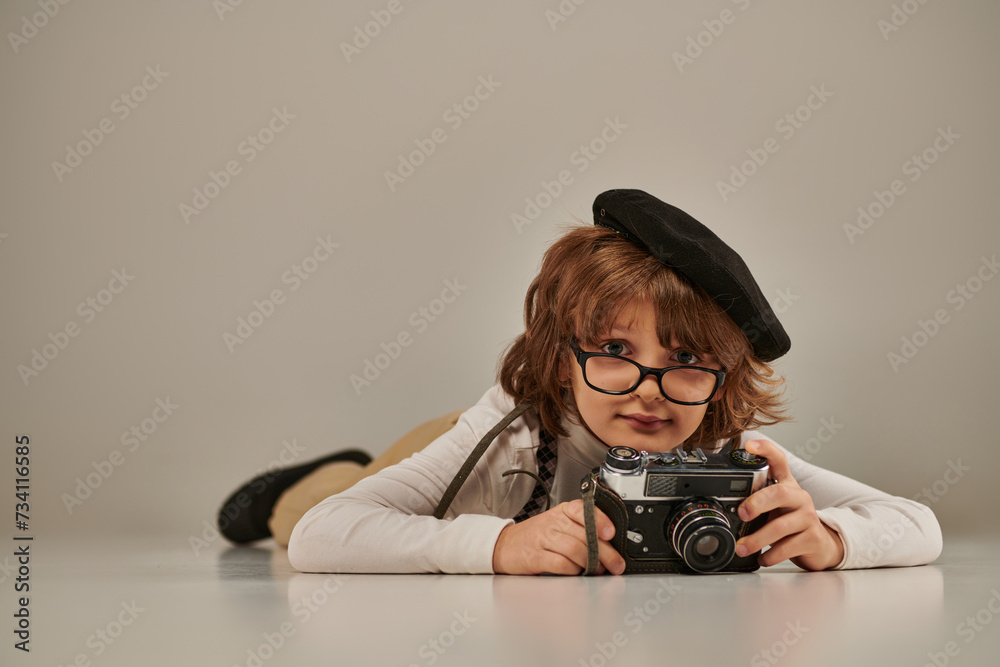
x: 612, y: 374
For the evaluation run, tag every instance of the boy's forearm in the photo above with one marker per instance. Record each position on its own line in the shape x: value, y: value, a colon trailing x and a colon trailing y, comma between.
x: 343, y: 535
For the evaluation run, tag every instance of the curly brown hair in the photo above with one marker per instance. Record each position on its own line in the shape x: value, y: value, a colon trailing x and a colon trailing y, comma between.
x: 589, y: 277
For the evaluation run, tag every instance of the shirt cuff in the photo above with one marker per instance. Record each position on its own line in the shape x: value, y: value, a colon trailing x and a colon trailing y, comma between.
x: 467, y: 546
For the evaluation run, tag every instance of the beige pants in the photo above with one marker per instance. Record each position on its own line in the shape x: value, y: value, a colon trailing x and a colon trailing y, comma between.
x: 333, y: 478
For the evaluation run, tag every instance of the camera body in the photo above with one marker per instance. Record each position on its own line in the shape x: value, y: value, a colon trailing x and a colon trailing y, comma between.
x: 676, y: 511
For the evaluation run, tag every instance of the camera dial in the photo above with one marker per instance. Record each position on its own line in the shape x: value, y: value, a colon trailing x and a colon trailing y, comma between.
x: 622, y: 458
x: 664, y: 458
x: 741, y: 458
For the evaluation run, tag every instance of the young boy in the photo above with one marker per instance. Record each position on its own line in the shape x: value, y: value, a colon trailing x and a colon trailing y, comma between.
x: 645, y: 330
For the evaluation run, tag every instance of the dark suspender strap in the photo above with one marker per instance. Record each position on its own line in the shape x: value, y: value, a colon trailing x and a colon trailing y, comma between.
x: 589, y: 487
x: 476, y: 454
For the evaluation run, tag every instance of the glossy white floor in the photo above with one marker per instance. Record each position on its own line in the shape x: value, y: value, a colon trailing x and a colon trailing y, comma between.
x: 155, y: 602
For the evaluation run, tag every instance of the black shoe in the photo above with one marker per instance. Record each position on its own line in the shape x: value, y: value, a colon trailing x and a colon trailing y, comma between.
x: 243, y: 517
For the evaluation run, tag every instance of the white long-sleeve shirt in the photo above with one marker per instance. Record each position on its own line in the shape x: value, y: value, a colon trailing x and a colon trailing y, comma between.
x: 384, y: 523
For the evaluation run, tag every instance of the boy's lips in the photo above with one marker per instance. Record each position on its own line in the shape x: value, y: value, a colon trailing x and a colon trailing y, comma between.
x: 641, y: 420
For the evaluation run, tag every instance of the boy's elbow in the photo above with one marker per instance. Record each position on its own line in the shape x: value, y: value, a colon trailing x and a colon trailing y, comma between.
x: 928, y: 532
x: 934, y: 536
x: 307, y: 549
x: 299, y: 553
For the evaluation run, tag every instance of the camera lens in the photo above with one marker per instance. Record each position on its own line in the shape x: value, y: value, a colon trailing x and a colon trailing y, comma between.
x: 700, y: 534
x: 707, y: 545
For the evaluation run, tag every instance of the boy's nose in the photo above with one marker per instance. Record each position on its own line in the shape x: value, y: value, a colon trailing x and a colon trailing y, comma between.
x: 649, y: 388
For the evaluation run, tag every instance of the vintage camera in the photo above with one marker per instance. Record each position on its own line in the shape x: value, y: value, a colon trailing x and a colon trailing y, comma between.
x: 676, y: 511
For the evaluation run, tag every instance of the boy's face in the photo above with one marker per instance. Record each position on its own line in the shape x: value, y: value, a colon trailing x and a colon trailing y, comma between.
x: 643, y: 419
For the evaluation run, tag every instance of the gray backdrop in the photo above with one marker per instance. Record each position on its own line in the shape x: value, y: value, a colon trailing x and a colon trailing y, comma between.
x: 218, y: 217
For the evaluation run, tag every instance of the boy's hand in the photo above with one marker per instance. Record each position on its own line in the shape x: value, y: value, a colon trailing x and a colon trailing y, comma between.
x: 555, y: 542
x: 793, y: 529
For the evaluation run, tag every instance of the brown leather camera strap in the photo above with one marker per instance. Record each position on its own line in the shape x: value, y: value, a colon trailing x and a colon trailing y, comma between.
x: 588, y: 489
x: 473, y: 458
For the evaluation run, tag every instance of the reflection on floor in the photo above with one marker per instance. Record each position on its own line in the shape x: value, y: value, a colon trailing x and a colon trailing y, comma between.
x: 162, y: 601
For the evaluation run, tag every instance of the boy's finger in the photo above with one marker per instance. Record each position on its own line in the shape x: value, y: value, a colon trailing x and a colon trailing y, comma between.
x: 609, y: 558
x: 776, y: 461
x: 782, y: 498
x: 605, y: 527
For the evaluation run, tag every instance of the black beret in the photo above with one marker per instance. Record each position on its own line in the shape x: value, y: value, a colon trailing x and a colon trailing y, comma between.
x: 690, y: 248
